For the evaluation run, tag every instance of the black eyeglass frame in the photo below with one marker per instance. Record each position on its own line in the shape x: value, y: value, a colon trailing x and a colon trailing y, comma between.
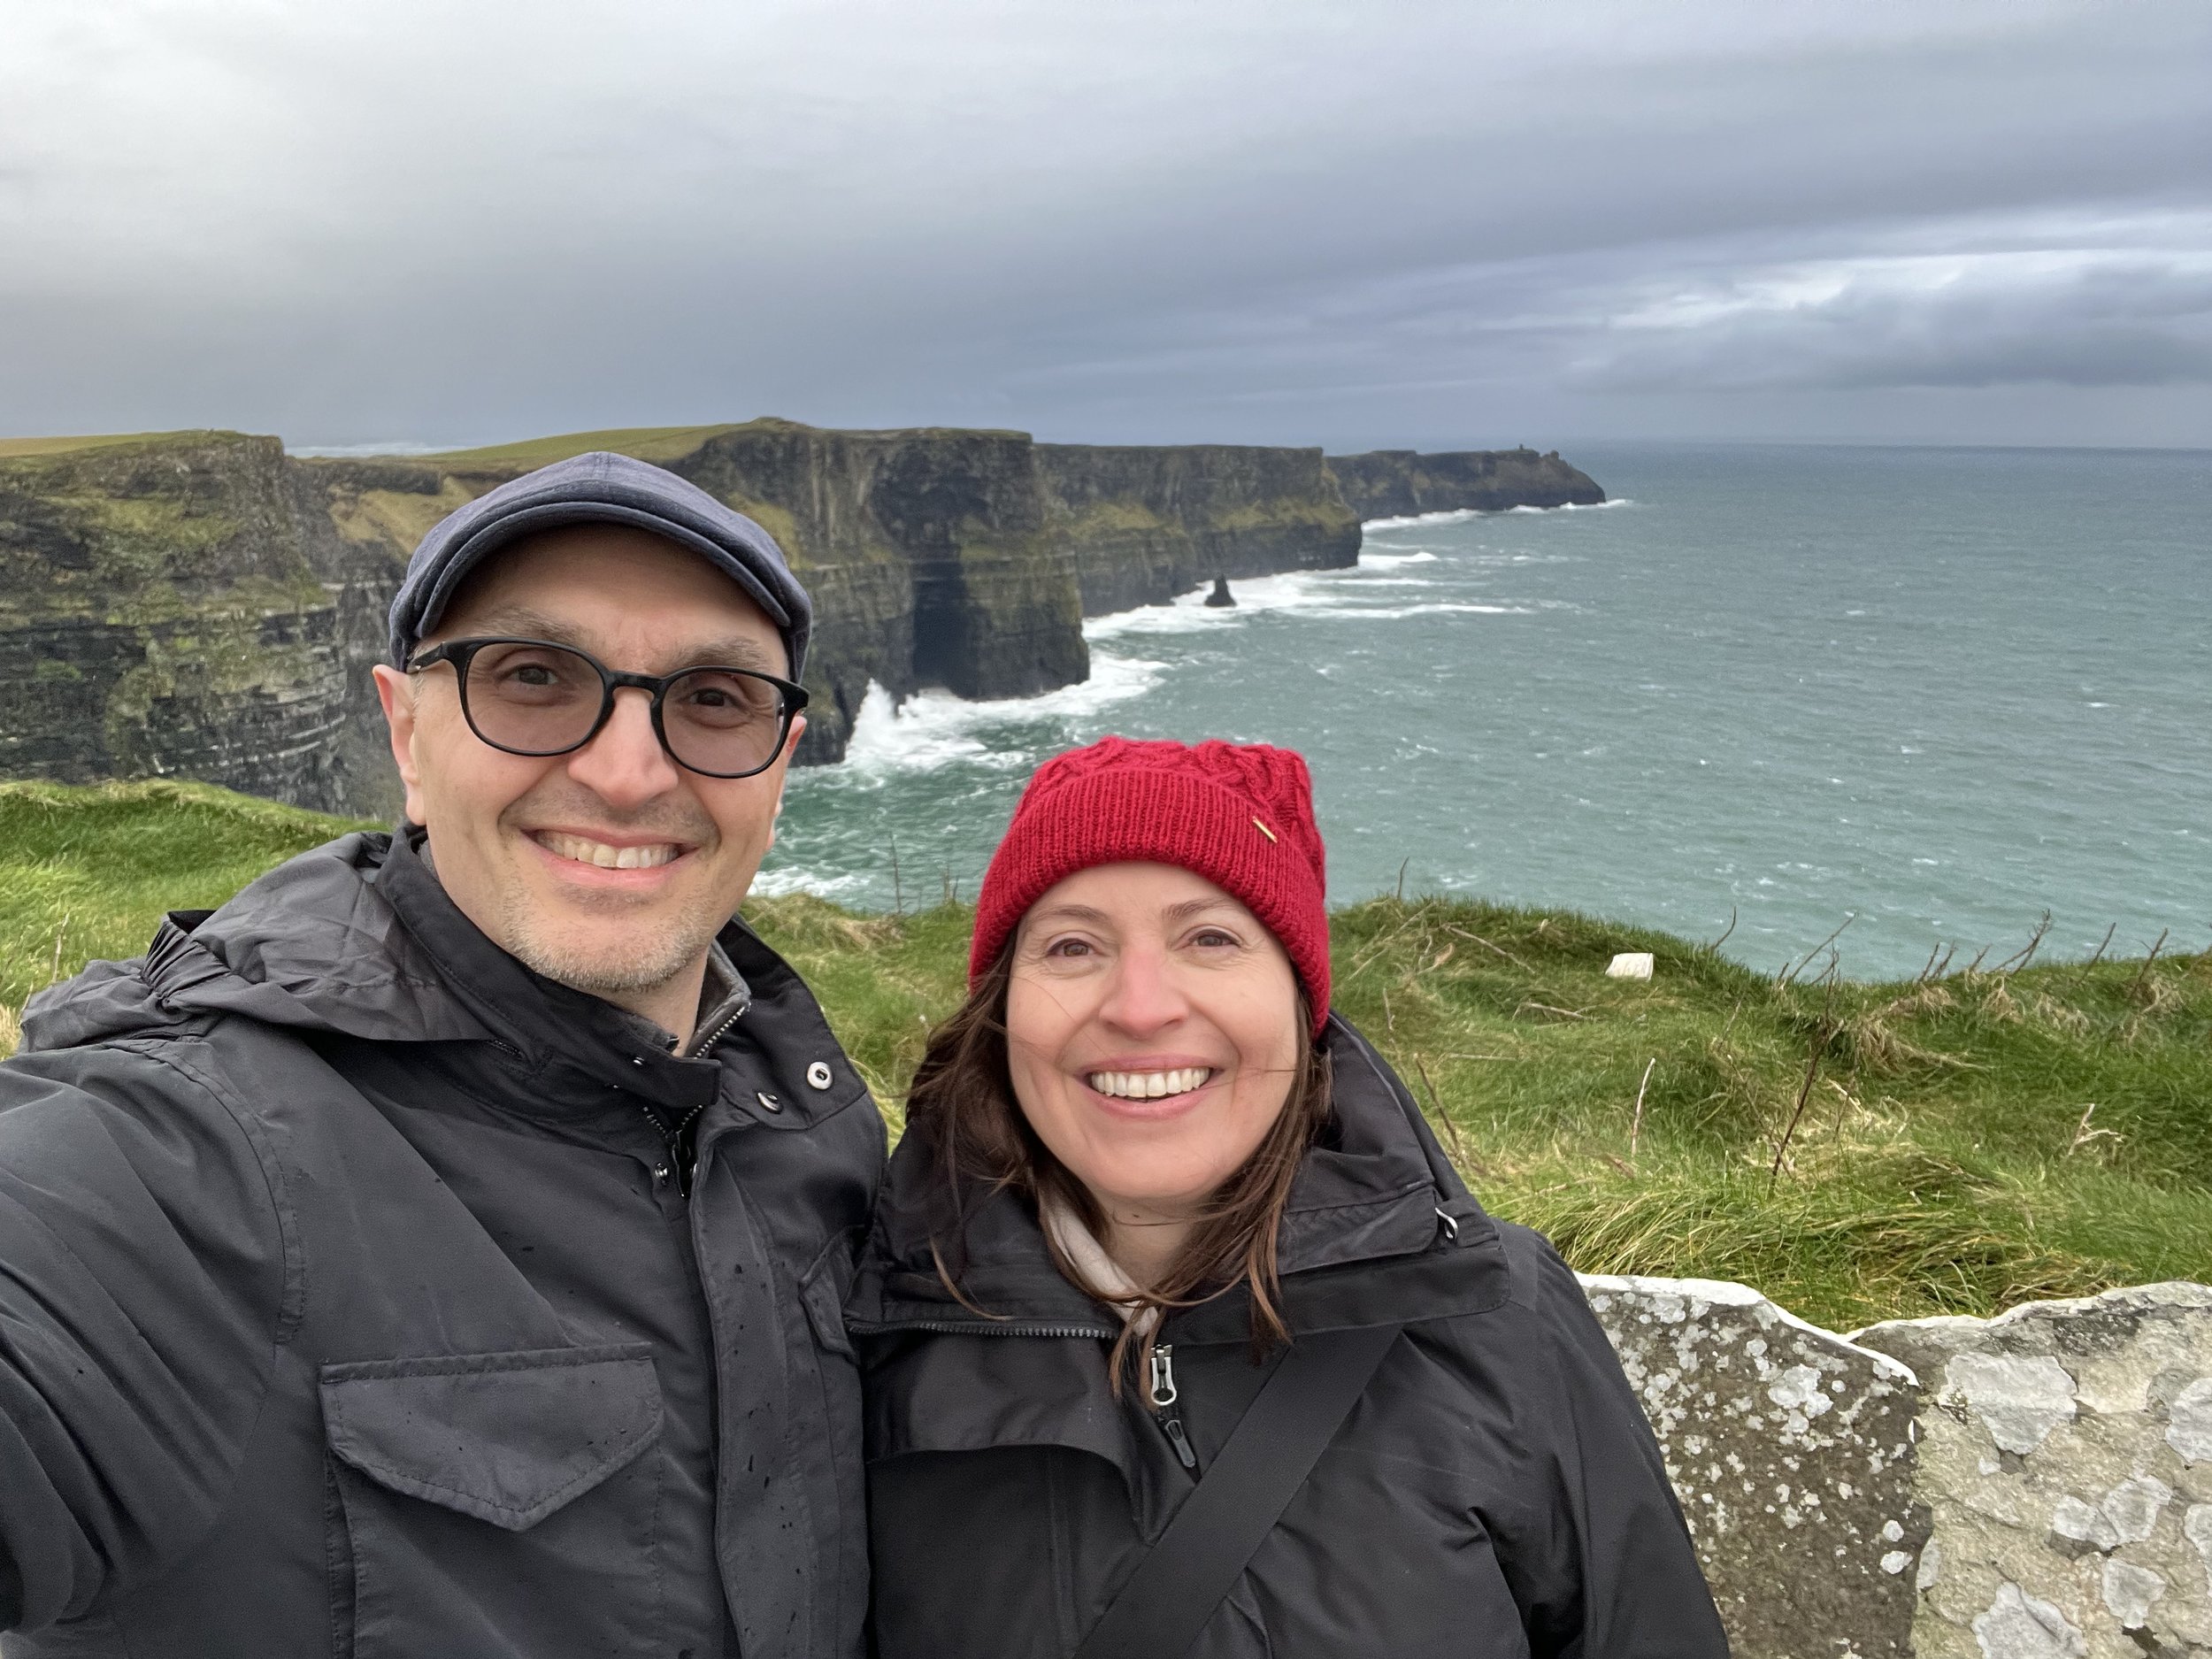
x: 462, y: 653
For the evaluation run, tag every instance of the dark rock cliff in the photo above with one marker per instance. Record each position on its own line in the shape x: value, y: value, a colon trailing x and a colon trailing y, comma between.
x: 1398, y: 483
x: 1145, y: 524
x: 203, y: 604
x: 929, y: 554
x: 159, y: 614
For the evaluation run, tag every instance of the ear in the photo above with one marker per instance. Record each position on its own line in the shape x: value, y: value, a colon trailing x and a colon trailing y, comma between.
x: 783, y: 773
x: 397, y: 692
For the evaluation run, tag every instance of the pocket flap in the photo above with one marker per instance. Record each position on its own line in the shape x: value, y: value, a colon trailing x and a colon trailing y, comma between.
x: 507, y: 1438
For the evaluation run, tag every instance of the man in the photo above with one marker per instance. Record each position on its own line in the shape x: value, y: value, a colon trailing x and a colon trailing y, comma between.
x: 439, y: 1248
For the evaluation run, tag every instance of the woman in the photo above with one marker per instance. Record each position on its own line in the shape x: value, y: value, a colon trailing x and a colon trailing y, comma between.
x: 1151, y: 1189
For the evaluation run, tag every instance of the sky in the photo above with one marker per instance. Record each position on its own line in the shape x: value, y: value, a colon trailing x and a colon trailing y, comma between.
x: 1444, y: 224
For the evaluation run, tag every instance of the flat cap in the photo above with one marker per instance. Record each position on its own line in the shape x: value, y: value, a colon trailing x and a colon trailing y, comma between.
x: 600, y: 488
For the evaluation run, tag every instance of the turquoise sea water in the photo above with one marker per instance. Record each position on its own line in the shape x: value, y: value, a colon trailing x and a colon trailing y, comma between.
x: 1937, y: 691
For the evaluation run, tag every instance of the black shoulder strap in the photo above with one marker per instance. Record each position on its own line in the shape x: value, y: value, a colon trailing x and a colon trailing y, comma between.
x: 1274, y: 1445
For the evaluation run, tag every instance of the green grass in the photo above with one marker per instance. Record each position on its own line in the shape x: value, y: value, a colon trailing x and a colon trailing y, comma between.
x: 13, y: 447
x: 648, y: 444
x: 87, y: 873
x: 1941, y: 1163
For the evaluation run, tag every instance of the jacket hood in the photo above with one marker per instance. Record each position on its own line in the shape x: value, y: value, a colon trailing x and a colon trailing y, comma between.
x: 357, y: 938
x: 314, y: 945
x: 1376, y: 1188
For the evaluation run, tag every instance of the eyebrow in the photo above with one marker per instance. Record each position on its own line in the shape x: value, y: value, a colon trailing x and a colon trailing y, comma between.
x: 735, y: 651
x: 1190, y: 910
x: 1187, y: 911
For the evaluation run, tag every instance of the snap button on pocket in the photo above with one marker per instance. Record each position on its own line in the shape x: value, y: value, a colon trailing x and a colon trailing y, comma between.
x: 817, y: 1075
x: 769, y: 1103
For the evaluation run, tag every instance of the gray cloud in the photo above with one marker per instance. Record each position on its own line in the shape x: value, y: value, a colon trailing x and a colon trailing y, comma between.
x: 2060, y: 317
x: 1429, y: 222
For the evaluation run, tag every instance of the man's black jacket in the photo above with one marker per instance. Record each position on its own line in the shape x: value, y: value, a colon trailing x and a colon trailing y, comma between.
x: 351, y: 1300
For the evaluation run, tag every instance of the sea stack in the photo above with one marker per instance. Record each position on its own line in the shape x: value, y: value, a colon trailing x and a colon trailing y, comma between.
x: 1221, y: 596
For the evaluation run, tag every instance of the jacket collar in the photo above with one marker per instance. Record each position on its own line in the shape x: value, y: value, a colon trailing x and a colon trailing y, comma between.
x: 1376, y: 1192
x: 357, y: 938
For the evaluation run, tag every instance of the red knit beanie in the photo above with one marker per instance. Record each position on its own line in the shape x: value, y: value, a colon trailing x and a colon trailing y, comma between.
x: 1239, y: 814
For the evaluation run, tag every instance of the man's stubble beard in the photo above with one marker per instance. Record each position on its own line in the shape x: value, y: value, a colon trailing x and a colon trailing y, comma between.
x: 664, y: 948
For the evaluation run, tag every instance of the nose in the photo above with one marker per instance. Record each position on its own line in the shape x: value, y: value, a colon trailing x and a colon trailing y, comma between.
x: 1144, y: 997
x: 625, y: 765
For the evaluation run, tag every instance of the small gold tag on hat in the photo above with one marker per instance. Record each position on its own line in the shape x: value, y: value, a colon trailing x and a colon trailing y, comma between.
x: 1263, y: 829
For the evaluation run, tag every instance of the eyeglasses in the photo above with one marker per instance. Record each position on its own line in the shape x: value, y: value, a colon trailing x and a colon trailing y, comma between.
x: 534, y: 697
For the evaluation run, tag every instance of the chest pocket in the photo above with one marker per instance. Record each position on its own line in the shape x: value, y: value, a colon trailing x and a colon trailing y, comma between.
x: 498, y: 1505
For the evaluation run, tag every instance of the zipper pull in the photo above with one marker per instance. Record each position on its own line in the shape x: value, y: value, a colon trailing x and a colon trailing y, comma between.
x: 1163, y: 1385
x: 1179, y: 1442
x: 1164, y: 1394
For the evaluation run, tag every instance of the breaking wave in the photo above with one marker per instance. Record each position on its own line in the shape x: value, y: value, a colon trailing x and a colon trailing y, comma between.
x: 933, y: 728
x: 1468, y: 515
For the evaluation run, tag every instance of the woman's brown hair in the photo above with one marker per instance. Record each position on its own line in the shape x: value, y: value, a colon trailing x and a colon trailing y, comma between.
x: 962, y: 1103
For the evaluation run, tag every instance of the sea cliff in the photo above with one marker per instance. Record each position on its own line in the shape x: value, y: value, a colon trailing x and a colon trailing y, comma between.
x: 1143, y: 524
x: 204, y: 605
x: 1399, y: 483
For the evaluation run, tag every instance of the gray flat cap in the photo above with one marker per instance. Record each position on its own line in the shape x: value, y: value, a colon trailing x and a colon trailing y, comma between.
x: 599, y: 488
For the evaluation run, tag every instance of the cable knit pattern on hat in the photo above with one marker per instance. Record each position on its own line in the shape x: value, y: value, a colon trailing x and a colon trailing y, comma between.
x: 1239, y: 814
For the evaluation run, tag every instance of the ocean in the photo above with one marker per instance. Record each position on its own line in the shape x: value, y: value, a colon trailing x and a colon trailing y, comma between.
x: 1926, y: 696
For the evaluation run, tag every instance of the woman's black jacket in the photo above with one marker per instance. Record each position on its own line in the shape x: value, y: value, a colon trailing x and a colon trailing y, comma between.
x: 1496, y: 1491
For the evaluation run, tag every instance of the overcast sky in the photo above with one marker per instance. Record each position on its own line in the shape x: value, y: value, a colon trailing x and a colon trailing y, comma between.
x: 1350, y: 222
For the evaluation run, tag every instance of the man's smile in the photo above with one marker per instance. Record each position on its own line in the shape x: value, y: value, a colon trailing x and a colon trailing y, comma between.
x: 573, y: 848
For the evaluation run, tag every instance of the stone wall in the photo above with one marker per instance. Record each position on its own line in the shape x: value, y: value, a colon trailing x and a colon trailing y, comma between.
x: 2066, y: 1455
x: 2037, y: 1486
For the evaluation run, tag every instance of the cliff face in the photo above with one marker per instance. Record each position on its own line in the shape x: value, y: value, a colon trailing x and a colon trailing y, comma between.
x: 204, y: 605
x: 159, y: 615
x: 928, y: 554
x: 1145, y: 524
x: 1398, y: 483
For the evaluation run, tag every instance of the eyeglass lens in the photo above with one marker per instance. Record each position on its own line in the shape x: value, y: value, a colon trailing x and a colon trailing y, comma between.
x: 542, y: 700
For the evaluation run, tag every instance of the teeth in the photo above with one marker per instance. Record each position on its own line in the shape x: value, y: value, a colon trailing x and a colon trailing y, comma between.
x: 585, y: 850
x: 1150, y: 1085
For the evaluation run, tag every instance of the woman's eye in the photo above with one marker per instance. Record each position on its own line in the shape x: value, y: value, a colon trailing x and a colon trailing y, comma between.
x: 1215, y: 939
x: 1069, y: 948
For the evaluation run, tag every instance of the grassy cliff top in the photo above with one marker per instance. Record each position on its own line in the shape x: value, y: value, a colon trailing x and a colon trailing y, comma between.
x: 647, y: 443
x: 13, y: 449
x: 1954, y: 1144
x: 665, y: 443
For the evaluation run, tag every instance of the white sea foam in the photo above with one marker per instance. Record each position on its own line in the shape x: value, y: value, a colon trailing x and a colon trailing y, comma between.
x: 1398, y: 613
x: 933, y: 728
x: 1392, y: 561
x: 1458, y: 515
x: 1333, y: 595
x: 773, y: 884
x: 1468, y: 515
x: 1256, y: 595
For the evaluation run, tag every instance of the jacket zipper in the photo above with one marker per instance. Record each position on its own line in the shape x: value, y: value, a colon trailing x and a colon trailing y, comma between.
x: 676, y: 1164
x: 1164, y: 1394
x: 951, y: 1327
x: 698, y: 1050
x: 1160, y: 1391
